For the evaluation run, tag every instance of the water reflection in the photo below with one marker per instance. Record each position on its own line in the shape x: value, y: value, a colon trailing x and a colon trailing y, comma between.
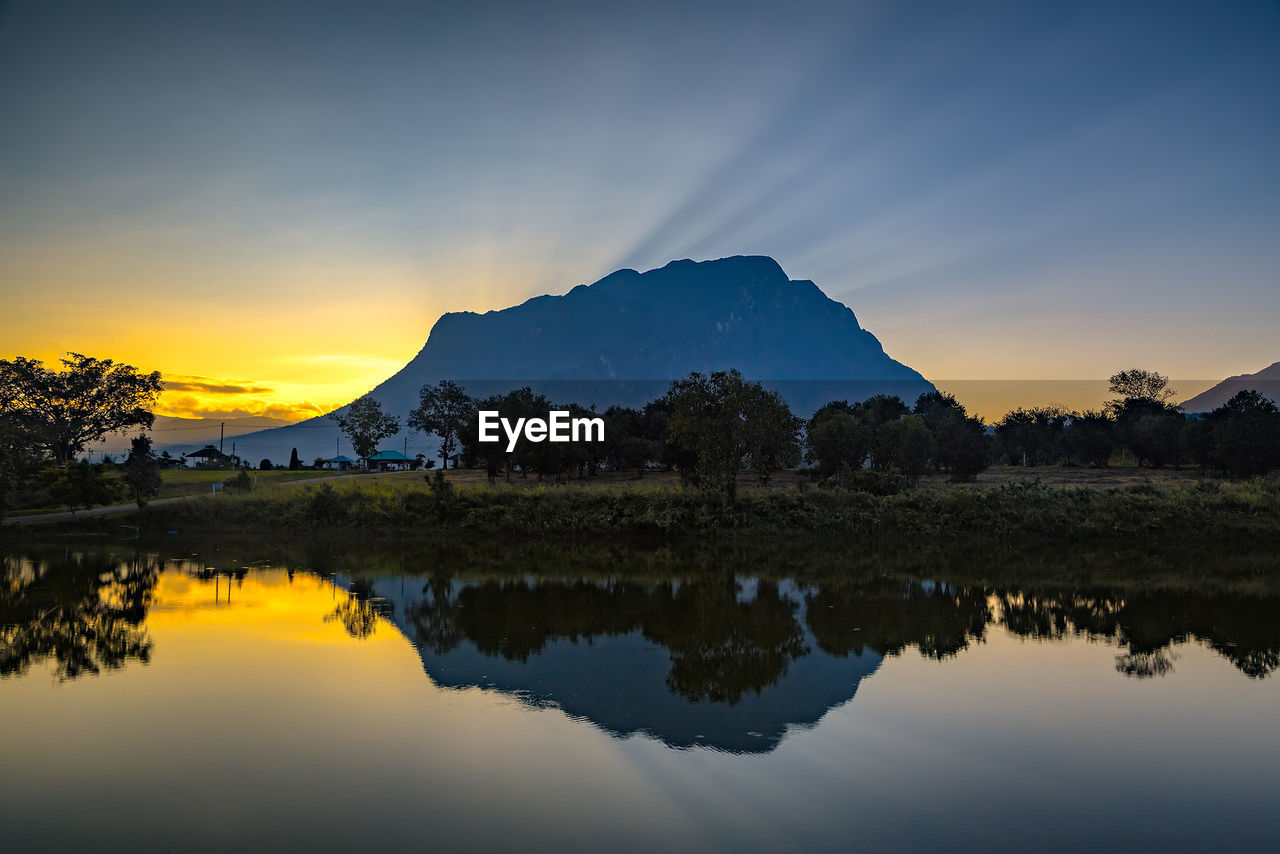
x: 724, y: 663
x: 714, y: 657
x: 83, y: 611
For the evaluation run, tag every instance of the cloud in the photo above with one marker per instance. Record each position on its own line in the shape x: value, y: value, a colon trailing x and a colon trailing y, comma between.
x: 190, y: 406
x: 209, y: 385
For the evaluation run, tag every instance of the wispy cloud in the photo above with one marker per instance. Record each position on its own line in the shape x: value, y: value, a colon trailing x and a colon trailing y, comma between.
x: 209, y: 385
x: 190, y: 406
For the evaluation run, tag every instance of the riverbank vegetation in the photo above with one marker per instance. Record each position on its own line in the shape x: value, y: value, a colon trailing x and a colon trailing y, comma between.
x: 1020, y: 510
x: 856, y: 466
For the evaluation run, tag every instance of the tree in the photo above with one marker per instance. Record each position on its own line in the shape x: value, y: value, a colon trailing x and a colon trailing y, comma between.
x: 1147, y: 424
x: 905, y: 445
x: 443, y: 410
x: 1199, y: 442
x: 1032, y: 436
x: 935, y: 407
x: 1141, y: 385
x: 294, y: 462
x: 961, y: 446
x: 709, y: 422
x: 1150, y: 429
x: 837, y: 439
x: 518, y: 403
x: 366, y: 425
x: 772, y: 431
x: 142, y: 471
x: 1090, y: 437
x: 265, y: 465
x: 63, y: 411
x: 82, y: 485
x: 626, y: 445
x: 1247, y: 434
x: 19, y: 461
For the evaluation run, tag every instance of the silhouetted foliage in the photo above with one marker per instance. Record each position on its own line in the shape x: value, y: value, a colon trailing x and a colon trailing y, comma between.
x: 141, y: 471
x: 838, y: 440
x: 1032, y: 437
x: 960, y: 443
x: 1090, y: 438
x: 719, y: 420
x: 1245, y: 434
x: 239, y: 482
x: 366, y: 425
x: 82, y: 485
x: 84, y: 612
x: 1137, y: 384
x: 63, y: 411
x: 443, y: 410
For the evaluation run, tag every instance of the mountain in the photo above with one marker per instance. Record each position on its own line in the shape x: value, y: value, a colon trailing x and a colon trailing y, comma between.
x: 624, y: 338
x: 603, y: 653
x: 169, y: 431
x: 1265, y: 381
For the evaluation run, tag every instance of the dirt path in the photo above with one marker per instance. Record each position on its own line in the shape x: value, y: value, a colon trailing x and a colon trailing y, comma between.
x: 112, y: 509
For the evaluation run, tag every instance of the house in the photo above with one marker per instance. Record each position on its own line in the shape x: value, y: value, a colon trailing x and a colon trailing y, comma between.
x: 389, y: 461
x: 209, y: 457
x: 340, y: 463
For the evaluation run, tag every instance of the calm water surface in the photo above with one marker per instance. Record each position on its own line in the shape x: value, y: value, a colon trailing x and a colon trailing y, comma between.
x: 221, y: 700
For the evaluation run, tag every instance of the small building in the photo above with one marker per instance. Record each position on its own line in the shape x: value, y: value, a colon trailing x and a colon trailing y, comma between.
x: 389, y: 461
x: 209, y: 457
x: 340, y: 463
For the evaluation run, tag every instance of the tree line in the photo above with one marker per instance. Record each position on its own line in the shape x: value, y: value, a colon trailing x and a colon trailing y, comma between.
x: 1241, y: 438
x: 712, y: 427
x: 708, y: 427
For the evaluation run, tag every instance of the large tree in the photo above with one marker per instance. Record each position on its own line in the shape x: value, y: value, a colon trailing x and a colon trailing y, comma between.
x: 1137, y: 384
x: 366, y: 425
x: 1246, y: 432
x: 63, y: 411
x: 719, y: 420
x: 443, y: 410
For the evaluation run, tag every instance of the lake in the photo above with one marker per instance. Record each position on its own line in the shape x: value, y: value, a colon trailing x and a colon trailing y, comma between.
x: 327, y: 695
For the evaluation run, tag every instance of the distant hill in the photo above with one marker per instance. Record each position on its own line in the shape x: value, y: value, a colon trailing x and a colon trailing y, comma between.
x: 624, y: 338
x: 172, y: 432
x: 1265, y: 381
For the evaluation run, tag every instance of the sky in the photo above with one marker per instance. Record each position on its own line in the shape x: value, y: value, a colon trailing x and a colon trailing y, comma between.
x: 272, y: 203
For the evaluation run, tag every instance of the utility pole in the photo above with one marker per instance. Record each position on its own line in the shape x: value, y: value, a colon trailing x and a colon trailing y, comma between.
x: 222, y: 432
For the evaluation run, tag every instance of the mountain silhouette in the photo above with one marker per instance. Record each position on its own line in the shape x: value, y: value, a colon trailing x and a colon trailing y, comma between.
x: 1265, y: 381
x: 623, y: 339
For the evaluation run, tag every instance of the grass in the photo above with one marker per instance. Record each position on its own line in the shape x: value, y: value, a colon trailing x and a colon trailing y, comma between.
x: 1147, y: 508
x: 176, y: 483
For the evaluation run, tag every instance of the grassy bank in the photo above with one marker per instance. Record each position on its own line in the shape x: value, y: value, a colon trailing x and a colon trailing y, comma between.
x: 176, y: 483
x: 1175, y: 510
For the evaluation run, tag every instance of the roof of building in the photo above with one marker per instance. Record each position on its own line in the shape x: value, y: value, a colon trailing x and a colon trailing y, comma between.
x: 391, y: 457
x: 341, y: 458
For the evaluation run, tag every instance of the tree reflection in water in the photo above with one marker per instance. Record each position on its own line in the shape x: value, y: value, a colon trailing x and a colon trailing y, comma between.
x: 360, y: 610
x: 727, y: 637
x: 721, y: 645
x: 83, y: 611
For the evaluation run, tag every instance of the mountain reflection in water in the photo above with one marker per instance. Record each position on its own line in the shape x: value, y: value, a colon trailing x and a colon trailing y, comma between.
x: 717, y: 658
